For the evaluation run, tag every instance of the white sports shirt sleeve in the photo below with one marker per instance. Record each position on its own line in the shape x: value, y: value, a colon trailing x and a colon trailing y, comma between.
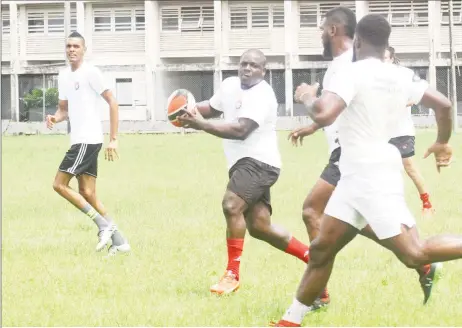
x: 96, y: 79
x: 343, y: 84
x: 61, y: 87
x: 417, y: 90
x: 215, y: 101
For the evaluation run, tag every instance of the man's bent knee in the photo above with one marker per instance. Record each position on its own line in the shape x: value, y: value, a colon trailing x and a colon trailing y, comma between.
x: 59, y: 187
x: 258, y: 221
x: 60, y: 183
x: 232, y: 204
x: 311, y: 216
x: 87, y: 193
x: 321, y: 251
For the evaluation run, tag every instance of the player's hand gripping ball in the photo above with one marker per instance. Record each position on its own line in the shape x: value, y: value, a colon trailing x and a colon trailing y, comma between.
x: 178, y: 103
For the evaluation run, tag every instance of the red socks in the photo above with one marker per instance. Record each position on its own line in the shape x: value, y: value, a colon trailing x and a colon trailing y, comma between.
x: 235, y: 247
x: 425, y: 198
x: 298, y: 249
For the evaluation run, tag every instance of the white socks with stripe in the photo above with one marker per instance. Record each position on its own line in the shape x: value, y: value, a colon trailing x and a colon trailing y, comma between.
x: 296, y: 312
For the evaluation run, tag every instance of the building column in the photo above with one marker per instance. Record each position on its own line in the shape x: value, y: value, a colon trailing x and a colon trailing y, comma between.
x: 14, y: 61
x: 433, y: 37
x: 362, y: 9
x: 154, y: 90
x: 217, y: 33
x: 80, y: 8
x: 88, y: 28
x: 288, y: 50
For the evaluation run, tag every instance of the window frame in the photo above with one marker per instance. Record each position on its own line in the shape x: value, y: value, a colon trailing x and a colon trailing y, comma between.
x: 6, y: 30
x: 272, y: 20
x: 205, y: 18
x: 136, y: 14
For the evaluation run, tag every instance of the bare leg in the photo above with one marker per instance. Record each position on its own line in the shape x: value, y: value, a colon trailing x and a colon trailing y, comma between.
x: 414, y: 173
x: 314, y: 206
x: 414, y: 252
x: 87, y: 188
x: 61, y: 186
x: 233, y: 209
x: 333, y: 236
x: 259, y: 224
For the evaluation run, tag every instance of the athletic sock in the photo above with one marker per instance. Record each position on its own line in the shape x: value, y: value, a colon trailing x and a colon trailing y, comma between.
x: 117, y: 238
x: 296, y: 312
x: 99, y: 220
x: 235, y: 247
x: 298, y: 249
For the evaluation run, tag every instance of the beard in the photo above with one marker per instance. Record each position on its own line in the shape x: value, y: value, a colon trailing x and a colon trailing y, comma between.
x: 327, y: 52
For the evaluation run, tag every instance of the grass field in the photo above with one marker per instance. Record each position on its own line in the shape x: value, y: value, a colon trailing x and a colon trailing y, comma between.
x: 165, y: 193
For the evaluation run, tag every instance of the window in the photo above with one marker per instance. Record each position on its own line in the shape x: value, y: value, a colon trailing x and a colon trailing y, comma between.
x: 312, y: 14
x: 169, y: 19
x: 73, y: 20
x: 208, y: 19
x: 190, y: 18
x: 35, y: 22
x: 420, y: 10
x: 124, y: 91
x: 278, y: 16
x: 55, y: 22
x: 261, y: 16
x: 102, y: 20
x: 402, y: 13
x: 308, y: 15
x: 187, y: 18
x: 238, y: 18
x: 123, y: 20
x: 5, y: 22
x: 456, y: 12
x: 139, y: 20
x: 118, y: 20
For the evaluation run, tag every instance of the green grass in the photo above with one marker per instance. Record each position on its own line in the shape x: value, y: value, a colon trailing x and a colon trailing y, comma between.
x: 165, y: 193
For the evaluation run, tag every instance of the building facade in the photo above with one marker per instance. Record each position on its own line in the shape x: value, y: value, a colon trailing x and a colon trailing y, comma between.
x: 147, y: 49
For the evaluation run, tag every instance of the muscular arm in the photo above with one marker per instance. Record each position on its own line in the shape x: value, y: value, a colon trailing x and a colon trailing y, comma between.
x: 113, y: 113
x: 206, y: 110
x: 62, y: 112
x: 325, y: 109
x: 443, y: 108
x: 236, y: 131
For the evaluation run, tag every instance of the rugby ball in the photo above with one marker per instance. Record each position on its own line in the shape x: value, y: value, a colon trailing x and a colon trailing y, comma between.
x: 178, y: 103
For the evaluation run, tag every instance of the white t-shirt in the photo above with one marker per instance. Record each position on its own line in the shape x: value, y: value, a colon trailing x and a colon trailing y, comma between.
x: 82, y: 89
x: 258, y: 104
x: 376, y: 94
x: 335, y: 65
x: 405, y: 125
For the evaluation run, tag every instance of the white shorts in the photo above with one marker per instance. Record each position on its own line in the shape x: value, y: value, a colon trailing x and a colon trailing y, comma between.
x: 374, y: 197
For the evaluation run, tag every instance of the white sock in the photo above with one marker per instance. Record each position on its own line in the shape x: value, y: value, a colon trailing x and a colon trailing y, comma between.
x: 296, y: 312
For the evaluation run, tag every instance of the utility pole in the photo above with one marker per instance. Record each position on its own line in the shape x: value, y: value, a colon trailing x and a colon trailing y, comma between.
x: 453, y: 69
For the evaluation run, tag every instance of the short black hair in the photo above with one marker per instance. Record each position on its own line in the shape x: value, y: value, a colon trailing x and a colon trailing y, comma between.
x: 345, y: 17
x: 76, y: 34
x: 375, y: 30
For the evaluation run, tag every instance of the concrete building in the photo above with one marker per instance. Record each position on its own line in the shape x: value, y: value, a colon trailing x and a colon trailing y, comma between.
x: 146, y: 49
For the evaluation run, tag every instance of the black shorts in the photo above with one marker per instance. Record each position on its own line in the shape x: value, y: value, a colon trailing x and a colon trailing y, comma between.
x: 251, y: 180
x: 81, y: 159
x: 331, y: 173
x: 405, y: 145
